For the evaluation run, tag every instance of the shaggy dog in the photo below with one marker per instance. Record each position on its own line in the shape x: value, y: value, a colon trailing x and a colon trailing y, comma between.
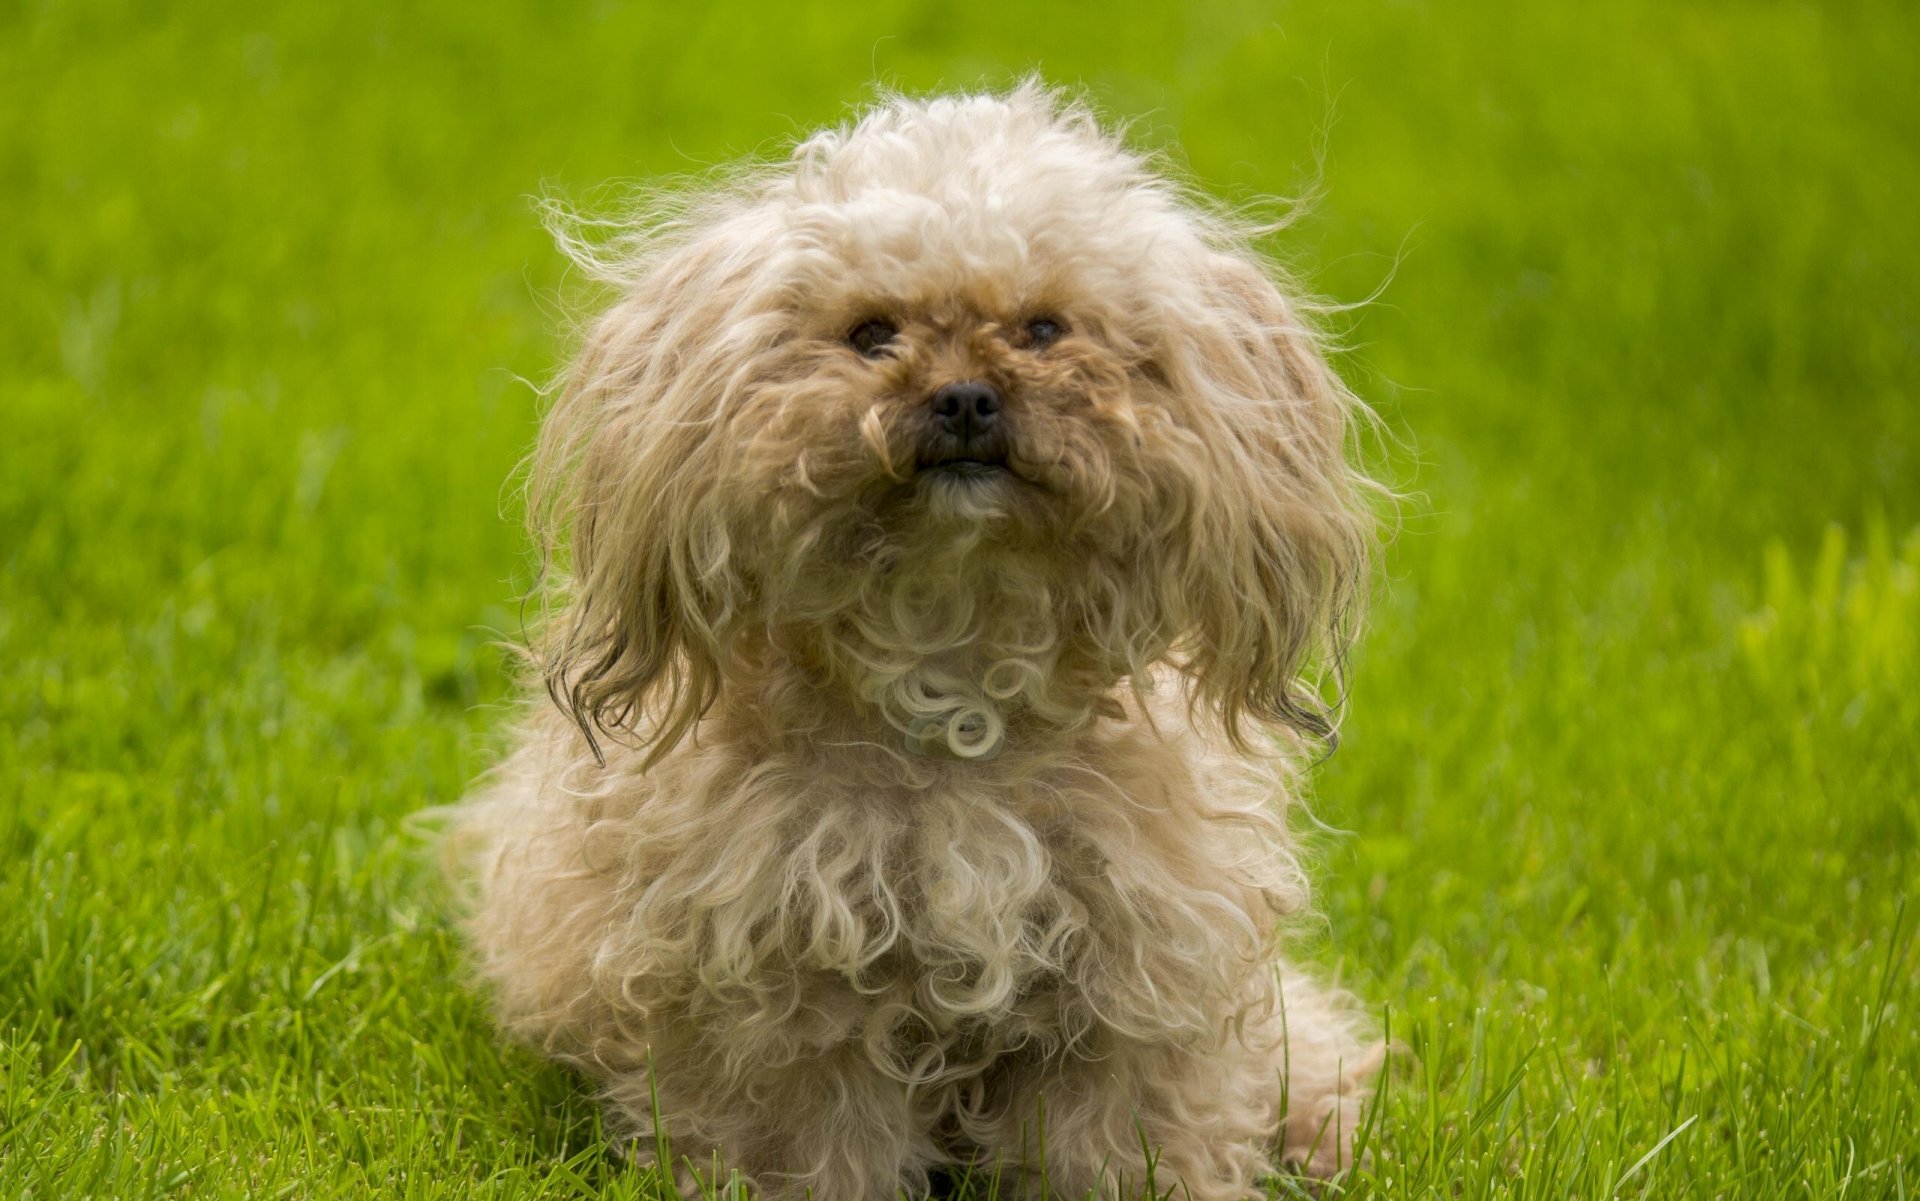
x: 940, y: 525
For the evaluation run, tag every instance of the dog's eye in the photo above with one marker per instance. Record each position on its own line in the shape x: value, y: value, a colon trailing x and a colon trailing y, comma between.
x: 1042, y: 332
x: 869, y: 337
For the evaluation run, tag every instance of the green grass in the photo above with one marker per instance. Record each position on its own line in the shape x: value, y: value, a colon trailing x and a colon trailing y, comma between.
x: 1632, y: 768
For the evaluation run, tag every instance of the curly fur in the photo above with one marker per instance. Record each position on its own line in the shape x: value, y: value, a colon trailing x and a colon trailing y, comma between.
x: 890, y: 817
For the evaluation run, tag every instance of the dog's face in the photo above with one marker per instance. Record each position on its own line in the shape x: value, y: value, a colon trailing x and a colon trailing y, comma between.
x: 924, y: 420
x: 964, y: 410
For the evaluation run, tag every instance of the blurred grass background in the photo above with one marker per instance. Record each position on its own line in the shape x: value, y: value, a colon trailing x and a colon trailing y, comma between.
x: 1631, y: 770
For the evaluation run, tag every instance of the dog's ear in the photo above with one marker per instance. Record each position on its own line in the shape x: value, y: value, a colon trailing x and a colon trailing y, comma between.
x: 627, y: 507
x: 1280, y: 536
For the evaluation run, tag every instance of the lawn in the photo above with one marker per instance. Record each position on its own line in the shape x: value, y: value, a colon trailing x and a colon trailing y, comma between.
x: 1628, y: 806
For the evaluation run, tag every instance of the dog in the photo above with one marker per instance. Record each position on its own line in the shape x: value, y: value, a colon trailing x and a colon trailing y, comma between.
x: 950, y: 533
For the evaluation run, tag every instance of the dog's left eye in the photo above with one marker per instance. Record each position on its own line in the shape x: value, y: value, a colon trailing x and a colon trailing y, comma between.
x: 869, y: 337
x: 1042, y: 332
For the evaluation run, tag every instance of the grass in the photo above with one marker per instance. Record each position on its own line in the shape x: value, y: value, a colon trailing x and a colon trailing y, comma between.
x: 1632, y: 776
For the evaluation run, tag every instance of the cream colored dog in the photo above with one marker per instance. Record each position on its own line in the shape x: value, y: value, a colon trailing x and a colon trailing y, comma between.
x: 952, y: 512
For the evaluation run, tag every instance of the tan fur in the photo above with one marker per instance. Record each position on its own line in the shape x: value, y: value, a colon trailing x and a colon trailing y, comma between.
x: 888, y: 819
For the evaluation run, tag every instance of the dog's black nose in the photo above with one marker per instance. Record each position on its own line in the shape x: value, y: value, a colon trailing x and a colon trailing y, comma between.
x: 966, y: 409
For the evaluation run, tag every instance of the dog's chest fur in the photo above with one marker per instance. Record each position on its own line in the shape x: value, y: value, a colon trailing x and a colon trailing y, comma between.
x: 952, y: 915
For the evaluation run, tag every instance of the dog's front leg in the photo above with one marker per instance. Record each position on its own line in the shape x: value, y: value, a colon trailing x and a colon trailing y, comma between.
x: 830, y: 1125
x: 1134, y: 1116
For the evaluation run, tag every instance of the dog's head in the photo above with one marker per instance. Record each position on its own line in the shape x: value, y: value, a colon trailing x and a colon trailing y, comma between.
x: 964, y: 411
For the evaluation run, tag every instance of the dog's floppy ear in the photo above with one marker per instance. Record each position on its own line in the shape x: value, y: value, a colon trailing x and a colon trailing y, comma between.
x: 626, y: 506
x: 1280, y: 536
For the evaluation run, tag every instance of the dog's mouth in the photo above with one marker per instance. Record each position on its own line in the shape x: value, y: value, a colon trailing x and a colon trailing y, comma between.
x: 972, y: 459
x: 977, y: 456
x: 968, y: 468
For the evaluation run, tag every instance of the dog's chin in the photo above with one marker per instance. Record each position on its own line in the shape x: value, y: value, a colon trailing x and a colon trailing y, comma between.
x: 971, y: 490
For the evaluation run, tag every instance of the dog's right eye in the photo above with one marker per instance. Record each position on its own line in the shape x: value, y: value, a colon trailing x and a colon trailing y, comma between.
x: 870, y: 337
